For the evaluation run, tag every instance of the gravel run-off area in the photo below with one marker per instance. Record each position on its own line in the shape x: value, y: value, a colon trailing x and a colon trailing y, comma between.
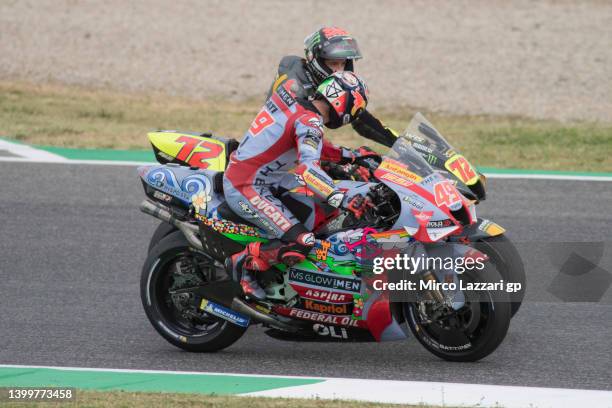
x: 541, y: 59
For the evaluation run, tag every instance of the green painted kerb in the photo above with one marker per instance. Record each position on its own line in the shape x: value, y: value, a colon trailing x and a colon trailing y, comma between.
x: 144, y: 382
x: 101, y: 154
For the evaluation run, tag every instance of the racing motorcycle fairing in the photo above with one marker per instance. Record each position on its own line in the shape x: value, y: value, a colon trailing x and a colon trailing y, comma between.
x: 181, y: 183
x: 334, y: 286
x: 192, y: 149
x: 183, y: 188
x: 439, y: 153
x: 483, y: 228
x: 431, y: 206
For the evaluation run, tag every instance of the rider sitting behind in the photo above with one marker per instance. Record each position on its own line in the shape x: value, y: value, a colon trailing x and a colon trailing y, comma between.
x: 284, y: 145
x: 329, y: 50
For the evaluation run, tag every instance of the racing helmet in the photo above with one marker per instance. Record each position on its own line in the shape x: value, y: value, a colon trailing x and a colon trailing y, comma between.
x: 329, y: 43
x: 347, y: 96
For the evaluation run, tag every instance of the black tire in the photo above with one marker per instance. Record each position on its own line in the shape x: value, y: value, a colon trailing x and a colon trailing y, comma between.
x: 487, y: 324
x: 157, y: 275
x: 508, y: 262
x: 162, y: 230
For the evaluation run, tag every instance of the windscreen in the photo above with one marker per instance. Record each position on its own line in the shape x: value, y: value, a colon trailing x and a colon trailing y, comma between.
x: 403, y: 152
x: 421, y: 131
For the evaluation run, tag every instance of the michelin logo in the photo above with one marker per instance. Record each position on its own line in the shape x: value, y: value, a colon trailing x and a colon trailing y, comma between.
x: 224, y: 313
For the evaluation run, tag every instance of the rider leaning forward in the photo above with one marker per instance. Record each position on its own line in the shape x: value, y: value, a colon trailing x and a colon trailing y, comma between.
x: 280, y: 153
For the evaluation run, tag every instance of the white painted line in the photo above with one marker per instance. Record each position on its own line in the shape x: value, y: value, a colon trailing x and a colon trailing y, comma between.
x: 444, y: 394
x: 547, y: 177
x: 29, y: 153
x: 68, y: 161
x: 407, y: 392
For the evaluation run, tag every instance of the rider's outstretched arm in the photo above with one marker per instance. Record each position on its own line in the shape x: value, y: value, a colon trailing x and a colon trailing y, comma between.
x: 371, y: 128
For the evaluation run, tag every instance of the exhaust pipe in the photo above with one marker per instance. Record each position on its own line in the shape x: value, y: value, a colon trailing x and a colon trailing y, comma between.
x: 241, y: 307
x: 190, y: 231
x: 162, y: 212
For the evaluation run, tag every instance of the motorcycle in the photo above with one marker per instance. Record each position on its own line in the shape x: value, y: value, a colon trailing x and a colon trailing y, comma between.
x: 421, y: 205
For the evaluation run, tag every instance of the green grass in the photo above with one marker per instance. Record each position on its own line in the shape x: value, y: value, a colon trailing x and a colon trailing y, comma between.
x: 162, y: 400
x: 66, y: 116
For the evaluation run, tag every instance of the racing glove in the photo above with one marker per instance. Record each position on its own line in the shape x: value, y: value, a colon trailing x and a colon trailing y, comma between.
x: 366, y: 157
x: 356, y: 204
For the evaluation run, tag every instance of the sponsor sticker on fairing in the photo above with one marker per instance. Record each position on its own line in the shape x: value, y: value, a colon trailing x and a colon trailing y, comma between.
x: 323, y: 295
x: 330, y: 331
x: 224, y: 313
x: 400, y: 170
x: 162, y: 196
x: 440, y: 223
x: 328, y: 308
x: 323, y: 280
x: 395, y: 179
x: 419, y: 205
x: 336, y: 320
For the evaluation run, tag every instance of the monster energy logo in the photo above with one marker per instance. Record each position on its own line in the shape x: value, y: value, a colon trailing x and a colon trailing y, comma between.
x: 313, y: 40
x: 431, y: 159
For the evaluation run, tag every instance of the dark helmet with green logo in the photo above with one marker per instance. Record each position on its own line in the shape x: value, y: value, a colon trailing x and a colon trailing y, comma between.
x: 347, y: 96
x: 329, y: 43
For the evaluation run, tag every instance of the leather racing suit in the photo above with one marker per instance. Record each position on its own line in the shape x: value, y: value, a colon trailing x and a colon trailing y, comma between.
x: 282, y: 147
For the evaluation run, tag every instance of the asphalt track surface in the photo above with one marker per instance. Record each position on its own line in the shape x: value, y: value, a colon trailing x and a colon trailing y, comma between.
x: 72, y: 243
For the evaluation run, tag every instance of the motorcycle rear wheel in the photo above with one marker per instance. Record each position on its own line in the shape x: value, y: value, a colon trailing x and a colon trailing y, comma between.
x: 163, y: 229
x: 179, y: 326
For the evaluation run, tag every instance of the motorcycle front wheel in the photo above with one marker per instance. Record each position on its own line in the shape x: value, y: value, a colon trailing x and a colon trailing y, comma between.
x: 469, y: 333
x: 507, y: 260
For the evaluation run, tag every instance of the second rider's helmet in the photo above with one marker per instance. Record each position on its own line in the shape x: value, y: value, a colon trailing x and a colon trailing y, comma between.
x: 329, y: 43
x: 347, y: 96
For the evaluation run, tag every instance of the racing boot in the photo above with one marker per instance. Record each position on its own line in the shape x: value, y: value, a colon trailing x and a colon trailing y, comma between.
x: 241, y: 264
x: 260, y: 257
x: 295, y: 252
x: 292, y: 248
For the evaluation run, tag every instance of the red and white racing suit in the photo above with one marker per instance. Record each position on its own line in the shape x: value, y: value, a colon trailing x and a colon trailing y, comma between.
x: 283, y: 146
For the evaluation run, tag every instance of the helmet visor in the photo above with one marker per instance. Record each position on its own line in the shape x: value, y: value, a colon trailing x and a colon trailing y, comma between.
x: 341, y: 48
